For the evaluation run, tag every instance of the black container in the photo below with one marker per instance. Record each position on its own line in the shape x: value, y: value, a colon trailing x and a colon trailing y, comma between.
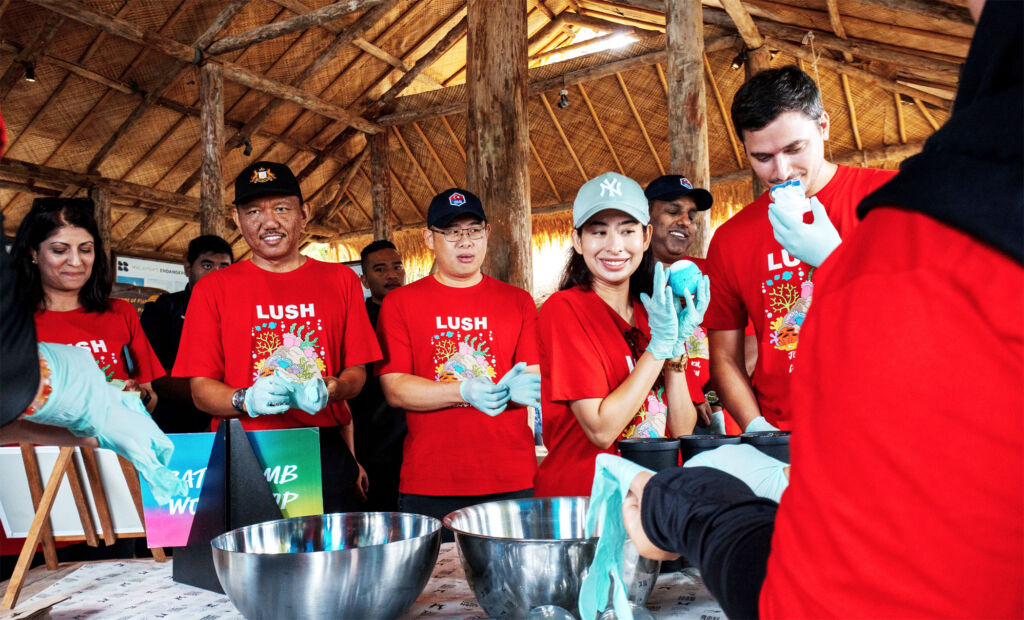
x: 655, y: 453
x: 692, y: 445
x: 772, y: 443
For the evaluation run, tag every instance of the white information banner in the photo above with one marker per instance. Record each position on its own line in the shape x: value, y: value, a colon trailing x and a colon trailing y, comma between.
x: 152, y: 273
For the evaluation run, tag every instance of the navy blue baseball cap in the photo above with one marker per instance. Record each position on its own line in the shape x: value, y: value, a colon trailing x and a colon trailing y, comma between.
x: 668, y: 187
x: 265, y: 178
x: 453, y: 203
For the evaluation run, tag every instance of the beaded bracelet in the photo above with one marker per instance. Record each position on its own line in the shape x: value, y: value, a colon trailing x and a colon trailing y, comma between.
x: 45, y: 388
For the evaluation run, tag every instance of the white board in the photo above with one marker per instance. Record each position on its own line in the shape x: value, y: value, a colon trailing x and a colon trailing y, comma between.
x: 16, y: 511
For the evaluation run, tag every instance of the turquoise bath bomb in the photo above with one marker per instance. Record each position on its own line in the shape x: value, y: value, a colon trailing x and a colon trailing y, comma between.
x: 683, y: 275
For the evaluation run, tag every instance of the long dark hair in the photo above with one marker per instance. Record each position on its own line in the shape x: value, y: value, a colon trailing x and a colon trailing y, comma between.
x: 576, y: 272
x: 46, y: 216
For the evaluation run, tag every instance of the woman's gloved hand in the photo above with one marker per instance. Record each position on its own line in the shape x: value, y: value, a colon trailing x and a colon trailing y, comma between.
x: 766, y: 476
x: 523, y: 386
x: 691, y: 315
x: 663, y: 309
x: 268, y: 396
x: 481, y: 393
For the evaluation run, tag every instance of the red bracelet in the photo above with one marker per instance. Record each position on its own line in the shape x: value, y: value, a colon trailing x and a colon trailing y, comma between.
x: 45, y: 388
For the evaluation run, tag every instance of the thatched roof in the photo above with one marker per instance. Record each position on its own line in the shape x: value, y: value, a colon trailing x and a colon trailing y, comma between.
x: 118, y: 109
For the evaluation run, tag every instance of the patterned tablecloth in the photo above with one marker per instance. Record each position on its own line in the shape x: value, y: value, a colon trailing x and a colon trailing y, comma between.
x: 144, y: 589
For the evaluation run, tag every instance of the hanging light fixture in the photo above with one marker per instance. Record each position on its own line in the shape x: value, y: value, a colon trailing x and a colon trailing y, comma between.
x: 738, y: 61
x: 563, y: 99
x: 30, y: 72
x: 247, y: 151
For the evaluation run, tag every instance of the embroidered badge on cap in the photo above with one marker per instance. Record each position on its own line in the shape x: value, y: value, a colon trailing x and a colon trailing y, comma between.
x: 457, y: 199
x: 685, y: 183
x: 262, y: 175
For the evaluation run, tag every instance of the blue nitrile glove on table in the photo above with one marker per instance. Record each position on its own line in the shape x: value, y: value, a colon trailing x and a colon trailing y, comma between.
x: 612, y: 478
x: 662, y: 316
x: 83, y: 402
x: 523, y: 387
x: 484, y: 395
x: 691, y: 315
x: 269, y: 395
x: 763, y: 474
x: 812, y: 243
x: 759, y: 425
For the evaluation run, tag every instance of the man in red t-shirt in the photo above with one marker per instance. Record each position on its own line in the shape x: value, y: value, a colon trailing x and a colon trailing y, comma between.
x: 455, y: 346
x: 259, y: 334
x: 779, y: 116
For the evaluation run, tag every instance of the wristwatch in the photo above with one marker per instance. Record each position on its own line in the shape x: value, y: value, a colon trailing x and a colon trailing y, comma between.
x: 238, y: 400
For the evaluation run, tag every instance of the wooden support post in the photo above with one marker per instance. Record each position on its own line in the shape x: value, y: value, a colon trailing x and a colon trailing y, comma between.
x: 101, y: 197
x: 757, y: 60
x: 497, y: 134
x: 380, y: 186
x: 687, y: 105
x: 211, y: 136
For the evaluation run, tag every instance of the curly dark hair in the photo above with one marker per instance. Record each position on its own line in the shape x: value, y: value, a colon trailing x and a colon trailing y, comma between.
x: 45, y: 217
x: 771, y: 92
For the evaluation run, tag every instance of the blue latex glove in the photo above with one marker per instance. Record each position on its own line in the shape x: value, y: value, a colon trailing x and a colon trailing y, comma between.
x: 662, y: 316
x: 134, y: 435
x: 481, y: 393
x: 612, y: 477
x: 716, y: 427
x: 268, y: 395
x: 759, y: 425
x: 84, y: 403
x: 811, y: 243
x: 310, y: 395
x: 691, y: 315
x: 523, y: 387
x: 763, y: 474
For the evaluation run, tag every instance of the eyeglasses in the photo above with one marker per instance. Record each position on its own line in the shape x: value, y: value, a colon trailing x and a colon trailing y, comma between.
x: 454, y: 235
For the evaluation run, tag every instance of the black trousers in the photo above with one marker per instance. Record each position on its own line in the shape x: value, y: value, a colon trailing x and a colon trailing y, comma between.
x: 438, y: 506
x: 339, y: 472
x: 717, y: 523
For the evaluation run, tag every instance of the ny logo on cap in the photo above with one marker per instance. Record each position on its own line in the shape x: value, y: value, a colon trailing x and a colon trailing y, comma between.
x: 612, y: 186
x: 685, y: 183
x: 262, y: 175
x: 456, y: 200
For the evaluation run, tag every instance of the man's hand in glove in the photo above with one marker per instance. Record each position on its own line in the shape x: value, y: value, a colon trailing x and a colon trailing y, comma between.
x: 767, y: 477
x: 663, y: 309
x: 486, y: 396
x: 269, y: 395
x: 310, y: 395
x: 523, y: 386
x: 811, y: 243
x: 759, y: 425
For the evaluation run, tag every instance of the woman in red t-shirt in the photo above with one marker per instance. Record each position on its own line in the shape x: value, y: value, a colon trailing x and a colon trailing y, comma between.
x: 603, y: 353
x: 65, y: 277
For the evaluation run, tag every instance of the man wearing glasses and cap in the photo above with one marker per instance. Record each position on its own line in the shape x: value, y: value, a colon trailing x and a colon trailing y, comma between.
x: 460, y: 357
x: 281, y: 340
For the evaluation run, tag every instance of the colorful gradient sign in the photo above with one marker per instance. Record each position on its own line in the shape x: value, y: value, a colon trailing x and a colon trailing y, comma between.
x: 291, y: 463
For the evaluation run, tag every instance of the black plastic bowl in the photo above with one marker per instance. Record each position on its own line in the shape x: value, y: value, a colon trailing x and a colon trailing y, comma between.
x: 772, y: 443
x: 692, y: 445
x: 655, y: 453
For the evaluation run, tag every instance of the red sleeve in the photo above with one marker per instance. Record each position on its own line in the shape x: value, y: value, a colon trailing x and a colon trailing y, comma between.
x: 201, y: 351
x: 574, y: 362
x: 393, y: 334
x: 526, y: 350
x: 147, y: 364
x: 726, y: 309
x: 360, y: 345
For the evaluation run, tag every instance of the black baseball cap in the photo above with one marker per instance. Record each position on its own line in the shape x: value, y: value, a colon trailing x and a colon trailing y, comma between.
x: 453, y: 203
x: 671, y: 186
x: 265, y: 178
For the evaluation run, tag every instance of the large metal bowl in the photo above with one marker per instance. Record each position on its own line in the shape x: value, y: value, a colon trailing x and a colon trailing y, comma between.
x: 521, y: 554
x: 347, y: 565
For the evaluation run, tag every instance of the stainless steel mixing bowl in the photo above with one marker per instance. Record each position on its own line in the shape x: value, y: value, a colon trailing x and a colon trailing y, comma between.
x: 522, y: 554
x: 347, y: 565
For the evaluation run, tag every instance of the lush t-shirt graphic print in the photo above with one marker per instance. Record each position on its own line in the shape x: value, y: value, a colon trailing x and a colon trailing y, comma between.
x: 787, y: 297
x: 461, y: 356
x: 289, y: 348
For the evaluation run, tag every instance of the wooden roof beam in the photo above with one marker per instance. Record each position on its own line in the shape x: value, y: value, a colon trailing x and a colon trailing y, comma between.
x: 639, y: 122
x: 346, y: 175
x: 415, y: 162
x: 433, y: 153
x: 16, y: 70
x: 600, y: 129
x: 744, y: 23
x: 595, y: 23
x: 286, y: 26
x: 184, y: 53
x: 565, y: 139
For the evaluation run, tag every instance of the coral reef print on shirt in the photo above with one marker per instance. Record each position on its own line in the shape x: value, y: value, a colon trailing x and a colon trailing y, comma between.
x: 290, y: 348
x: 788, y: 297
x: 462, y: 349
x: 652, y: 418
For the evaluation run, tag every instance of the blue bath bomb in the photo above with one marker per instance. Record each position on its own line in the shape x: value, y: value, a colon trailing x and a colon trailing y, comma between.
x: 683, y: 275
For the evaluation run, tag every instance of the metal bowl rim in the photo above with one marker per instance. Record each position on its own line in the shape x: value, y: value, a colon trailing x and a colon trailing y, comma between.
x: 448, y: 518
x: 433, y: 532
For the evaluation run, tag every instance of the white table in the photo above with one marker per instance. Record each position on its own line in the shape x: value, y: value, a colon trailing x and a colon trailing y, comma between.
x: 144, y: 589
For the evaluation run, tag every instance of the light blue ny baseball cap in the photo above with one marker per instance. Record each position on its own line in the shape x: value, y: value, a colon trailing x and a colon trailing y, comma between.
x: 610, y: 190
